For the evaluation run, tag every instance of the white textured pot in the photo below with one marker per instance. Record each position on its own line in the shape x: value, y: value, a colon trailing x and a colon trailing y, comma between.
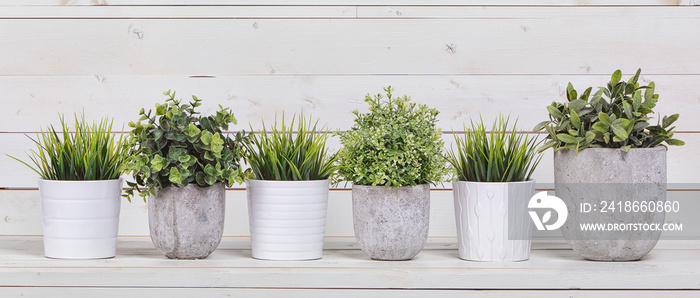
x: 80, y: 218
x: 391, y: 223
x: 486, y: 213
x: 187, y: 222
x: 610, y: 175
x: 287, y: 219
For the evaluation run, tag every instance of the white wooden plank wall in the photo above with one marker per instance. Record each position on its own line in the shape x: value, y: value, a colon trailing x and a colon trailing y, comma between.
x: 465, y: 58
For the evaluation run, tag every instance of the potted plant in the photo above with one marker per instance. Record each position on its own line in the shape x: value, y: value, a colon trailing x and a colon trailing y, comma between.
x: 185, y: 159
x: 492, y: 190
x: 288, y: 198
x: 391, y: 155
x: 80, y: 188
x: 607, y: 154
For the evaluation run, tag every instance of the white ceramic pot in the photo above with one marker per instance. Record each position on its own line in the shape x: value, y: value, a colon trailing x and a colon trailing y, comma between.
x: 492, y: 220
x: 287, y: 218
x: 80, y: 218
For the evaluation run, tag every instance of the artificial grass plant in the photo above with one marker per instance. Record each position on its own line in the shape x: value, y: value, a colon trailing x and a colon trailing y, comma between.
x: 92, y: 152
x: 501, y: 155
x: 287, y: 155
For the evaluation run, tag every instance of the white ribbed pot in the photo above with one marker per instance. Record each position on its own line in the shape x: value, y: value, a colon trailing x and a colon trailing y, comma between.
x: 287, y: 219
x: 611, y: 175
x: 391, y: 223
x: 492, y: 220
x: 187, y: 222
x: 80, y: 218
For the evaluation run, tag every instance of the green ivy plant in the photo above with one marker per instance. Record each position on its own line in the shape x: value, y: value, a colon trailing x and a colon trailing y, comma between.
x: 283, y: 154
x: 177, y: 146
x: 614, y: 117
x: 93, y: 152
x: 502, y: 155
x: 397, y: 143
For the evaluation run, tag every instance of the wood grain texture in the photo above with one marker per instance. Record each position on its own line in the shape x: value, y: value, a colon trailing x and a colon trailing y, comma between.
x: 339, y: 11
x: 343, y: 266
x: 359, y: 2
x: 119, y: 292
x: 348, y: 46
x: 32, y: 102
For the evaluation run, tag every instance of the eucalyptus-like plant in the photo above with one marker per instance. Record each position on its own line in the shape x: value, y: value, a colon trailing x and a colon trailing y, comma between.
x: 614, y: 117
x: 502, y: 155
x: 397, y: 143
x: 285, y: 155
x: 92, y: 152
x: 178, y: 146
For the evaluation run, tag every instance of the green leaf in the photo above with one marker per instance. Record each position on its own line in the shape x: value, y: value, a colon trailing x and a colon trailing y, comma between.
x: 206, y: 138
x: 635, y: 78
x: 570, y: 92
x: 161, y: 109
x: 617, y: 75
x: 555, y: 112
x: 175, y: 176
x: 675, y: 142
x: 601, y: 127
x: 618, y: 130
x: 577, y: 104
x: 667, y: 121
x: 575, y: 120
x: 628, y: 110
x: 540, y: 126
x: 566, y: 138
x: 192, y: 130
x: 604, y: 118
x: 547, y: 145
x: 586, y: 94
x: 637, y: 100
x: 626, y: 148
x: 590, y: 136
x: 210, y: 180
x: 649, y: 92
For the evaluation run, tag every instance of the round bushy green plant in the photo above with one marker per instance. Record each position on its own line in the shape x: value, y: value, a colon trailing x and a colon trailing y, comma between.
x: 177, y: 146
x: 397, y: 143
x: 287, y: 155
x: 614, y: 117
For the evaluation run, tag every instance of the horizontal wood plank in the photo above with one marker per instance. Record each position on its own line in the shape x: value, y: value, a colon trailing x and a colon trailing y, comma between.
x: 41, y: 292
x: 343, y: 266
x: 340, y: 11
x: 342, y: 47
x: 459, y: 98
x: 361, y: 2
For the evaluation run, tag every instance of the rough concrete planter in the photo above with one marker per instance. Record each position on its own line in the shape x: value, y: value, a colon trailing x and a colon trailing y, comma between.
x: 601, y: 174
x: 80, y: 218
x: 287, y: 219
x: 188, y: 222
x: 486, y: 213
x: 391, y: 223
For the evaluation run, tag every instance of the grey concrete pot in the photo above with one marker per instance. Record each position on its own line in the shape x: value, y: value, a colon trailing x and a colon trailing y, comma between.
x: 391, y: 223
x: 188, y: 222
x: 599, y: 175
